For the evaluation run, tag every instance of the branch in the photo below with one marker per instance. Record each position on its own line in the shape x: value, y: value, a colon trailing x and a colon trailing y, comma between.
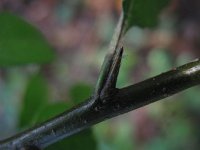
x: 99, y: 108
x: 107, y: 101
x: 117, y: 38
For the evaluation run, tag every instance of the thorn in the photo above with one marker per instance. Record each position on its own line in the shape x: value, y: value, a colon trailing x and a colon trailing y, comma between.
x: 109, y: 73
x: 114, y: 71
x: 103, y: 74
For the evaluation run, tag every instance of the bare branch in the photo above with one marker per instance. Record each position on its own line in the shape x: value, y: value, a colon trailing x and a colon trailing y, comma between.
x: 118, y: 102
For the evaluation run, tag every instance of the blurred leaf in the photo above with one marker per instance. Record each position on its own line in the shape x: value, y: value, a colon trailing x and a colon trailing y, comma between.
x: 159, y: 61
x: 158, y: 143
x: 143, y: 13
x: 79, y: 92
x: 123, y: 136
x: 84, y: 140
x: 36, y: 97
x: 21, y: 43
x: 115, y: 135
x: 191, y: 99
x: 128, y: 62
x: 182, y: 130
x: 51, y: 110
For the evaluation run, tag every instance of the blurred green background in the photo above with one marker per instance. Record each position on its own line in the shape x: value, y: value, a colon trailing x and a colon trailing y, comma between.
x: 64, y: 43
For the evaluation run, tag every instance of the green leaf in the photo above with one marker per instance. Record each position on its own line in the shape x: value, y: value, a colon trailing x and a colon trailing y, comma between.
x: 143, y: 13
x: 21, y: 43
x: 84, y: 140
x: 51, y: 110
x: 79, y: 92
x: 35, y: 98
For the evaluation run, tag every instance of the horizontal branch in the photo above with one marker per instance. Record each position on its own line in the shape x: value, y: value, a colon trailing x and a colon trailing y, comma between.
x: 118, y: 102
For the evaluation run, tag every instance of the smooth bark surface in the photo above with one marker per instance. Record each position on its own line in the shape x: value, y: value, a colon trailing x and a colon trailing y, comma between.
x: 98, y: 109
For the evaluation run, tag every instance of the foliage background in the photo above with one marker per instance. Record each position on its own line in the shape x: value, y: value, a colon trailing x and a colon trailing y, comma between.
x: 79, y: 33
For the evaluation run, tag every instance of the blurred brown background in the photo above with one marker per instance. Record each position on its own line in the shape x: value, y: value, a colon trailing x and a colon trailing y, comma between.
x: 80, y: 32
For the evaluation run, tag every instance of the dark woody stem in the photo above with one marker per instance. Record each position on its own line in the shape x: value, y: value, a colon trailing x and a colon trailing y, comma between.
x: 96, y: 110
